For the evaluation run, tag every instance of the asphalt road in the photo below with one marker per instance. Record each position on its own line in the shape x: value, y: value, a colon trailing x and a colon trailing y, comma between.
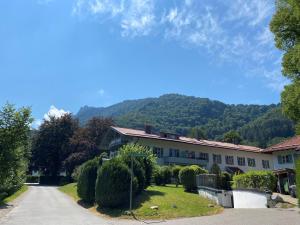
x: 48, y: 206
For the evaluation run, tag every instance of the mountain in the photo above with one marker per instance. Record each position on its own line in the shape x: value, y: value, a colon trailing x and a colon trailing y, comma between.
x: 257, y: 124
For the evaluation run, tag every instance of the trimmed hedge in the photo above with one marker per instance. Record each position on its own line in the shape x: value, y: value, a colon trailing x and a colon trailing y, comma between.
x: 113, y: 184
x: 147, y: 161
x: 175, y: 173
x: 138, y: 173
x: 158, y: 178
x: 259, y: 180
x: 198, y: 170
x: 86, y: 181
x: 188, y: 178
x: 298, y: 180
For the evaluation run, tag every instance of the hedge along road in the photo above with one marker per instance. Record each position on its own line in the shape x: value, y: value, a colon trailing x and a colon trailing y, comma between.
x: 43, y: 205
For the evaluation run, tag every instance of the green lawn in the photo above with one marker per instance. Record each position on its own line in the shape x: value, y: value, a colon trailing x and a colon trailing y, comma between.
x: 14, y: 196
x: 172, y: 202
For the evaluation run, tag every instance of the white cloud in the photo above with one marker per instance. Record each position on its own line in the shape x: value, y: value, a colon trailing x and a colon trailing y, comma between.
x: 54, y: 112
x: 230, y: 31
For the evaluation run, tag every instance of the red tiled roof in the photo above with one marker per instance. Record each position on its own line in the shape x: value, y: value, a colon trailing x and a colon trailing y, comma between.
x: 292, y: 143
x: 216, y: 144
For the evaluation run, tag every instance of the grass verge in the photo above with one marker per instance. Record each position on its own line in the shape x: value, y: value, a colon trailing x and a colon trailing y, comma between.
x: 172, y: 202
x: 12, y: 197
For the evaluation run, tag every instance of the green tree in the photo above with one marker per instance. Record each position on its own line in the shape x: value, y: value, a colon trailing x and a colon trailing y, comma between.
x: 285, y: 25
x: 232, y: 137
x: 50, y: 147
x: 14, y: 146
x: 198, y: 133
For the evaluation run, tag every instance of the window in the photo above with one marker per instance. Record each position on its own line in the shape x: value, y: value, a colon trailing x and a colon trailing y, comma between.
x: 192, y: 155
x: 217, y: 159
x: 241, y: 161
x: 251, y: 162
x: 159, y: 152
x: 173, y: 153
x: 229, y: 160
x: 203, y: 156
x: 282, y: 159
x: 265, y: 164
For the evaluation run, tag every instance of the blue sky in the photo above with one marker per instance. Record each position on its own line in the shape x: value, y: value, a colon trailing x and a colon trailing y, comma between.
x: 71, y: 53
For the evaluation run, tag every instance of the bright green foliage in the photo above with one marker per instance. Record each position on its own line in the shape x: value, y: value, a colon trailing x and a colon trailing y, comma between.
x: 232, y: 137
x: 14, y: 147
x: 175, y: 174
x: 260, y: 180
x: 298, y: 180
x: 162, y: 175
x: 290, y: 98
x: 188, y: 178
x: 285, y: 25
x: 166, y: 174
x: 198, y: 169
x: 147, y: 162
x: 113, y: 184
x: 138, y: 172
x: 87, y: 180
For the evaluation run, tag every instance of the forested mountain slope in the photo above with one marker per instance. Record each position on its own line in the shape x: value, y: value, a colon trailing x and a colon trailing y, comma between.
x: 257, y: 124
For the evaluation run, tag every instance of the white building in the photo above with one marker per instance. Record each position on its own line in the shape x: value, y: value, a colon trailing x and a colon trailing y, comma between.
x: 174, y: 149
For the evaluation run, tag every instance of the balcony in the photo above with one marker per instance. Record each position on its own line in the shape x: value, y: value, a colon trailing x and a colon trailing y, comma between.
x: 115, y: 142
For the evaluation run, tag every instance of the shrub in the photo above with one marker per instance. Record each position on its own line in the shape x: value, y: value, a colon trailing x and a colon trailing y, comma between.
x: 113, y: 184
x: 187, y: 178
x: 198, y: 170
x: 298, y: 180
x: 175, y: 173
x: 138, y: 173
x: 76, y: 173
x: 158, y: 176
x: 87, y: 180
x: 148, y: 162
x: 260, y: 180
x: 166, y: 174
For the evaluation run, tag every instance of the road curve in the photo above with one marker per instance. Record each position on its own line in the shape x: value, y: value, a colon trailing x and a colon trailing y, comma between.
x: 43, y: 205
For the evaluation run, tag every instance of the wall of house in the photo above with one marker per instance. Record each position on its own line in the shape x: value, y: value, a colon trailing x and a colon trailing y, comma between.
x: 284, y: 165
x: 166, y: 145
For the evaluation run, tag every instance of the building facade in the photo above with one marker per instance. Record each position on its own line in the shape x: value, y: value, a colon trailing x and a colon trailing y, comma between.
x: 174, y: 149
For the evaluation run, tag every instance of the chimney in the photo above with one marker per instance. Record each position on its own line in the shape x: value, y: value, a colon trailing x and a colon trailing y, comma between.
x: 148, y: 129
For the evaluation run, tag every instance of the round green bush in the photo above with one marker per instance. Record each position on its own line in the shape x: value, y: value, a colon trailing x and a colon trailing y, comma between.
x: 147, y: 160
x: 198, y: 169
x: 87, y: 180
x: 188, y: 178
x: 158, y: 177
x: 138, y: 173
x: 175, y: 173
x: 166, y: 174
x: 113, y: 184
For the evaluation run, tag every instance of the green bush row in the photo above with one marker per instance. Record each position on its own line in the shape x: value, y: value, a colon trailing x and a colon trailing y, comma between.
x: 259, y: 180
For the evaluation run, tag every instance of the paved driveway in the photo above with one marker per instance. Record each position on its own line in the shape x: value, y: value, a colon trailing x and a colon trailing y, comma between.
x: 48, y: 206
